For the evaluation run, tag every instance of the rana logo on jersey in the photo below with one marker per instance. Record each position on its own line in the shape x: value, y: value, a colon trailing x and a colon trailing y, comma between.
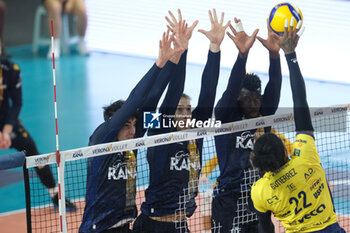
x: 245, y: 141
x: 120, y: 169
x: 181, y: 162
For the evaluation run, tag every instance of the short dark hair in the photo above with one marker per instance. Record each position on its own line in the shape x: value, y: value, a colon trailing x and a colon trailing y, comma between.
x: 252, y: 83
x: 113, y: 107
x: 269, y: 153
x: 184, y: 95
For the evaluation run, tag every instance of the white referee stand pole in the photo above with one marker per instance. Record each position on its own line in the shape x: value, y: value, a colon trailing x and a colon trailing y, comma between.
x: 60, y: 160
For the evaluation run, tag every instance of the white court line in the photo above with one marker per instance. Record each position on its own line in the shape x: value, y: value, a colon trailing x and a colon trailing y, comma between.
x: 13, y: 212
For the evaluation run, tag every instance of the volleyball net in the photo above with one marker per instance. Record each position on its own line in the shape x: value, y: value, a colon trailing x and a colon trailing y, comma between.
x: 332, y: 134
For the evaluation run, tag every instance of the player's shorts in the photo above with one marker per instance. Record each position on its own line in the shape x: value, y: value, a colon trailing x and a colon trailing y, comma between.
x: 225, y: 217
x: 143, y: 224
x: 334, y: 228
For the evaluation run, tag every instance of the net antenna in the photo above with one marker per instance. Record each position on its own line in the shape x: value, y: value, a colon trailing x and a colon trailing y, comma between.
x: 60, y: 163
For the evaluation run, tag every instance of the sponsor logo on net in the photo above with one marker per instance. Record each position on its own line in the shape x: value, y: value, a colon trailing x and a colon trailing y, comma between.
x: 42, y: 160
x: 283, y: 119
x: 260, y: 123
x: 78, y: 154
x: 225, y: 129
x: 155, y: 120
x: 318, y: 112
x: 140, y: 143
x: 109, y: 148
x: 339, y: 109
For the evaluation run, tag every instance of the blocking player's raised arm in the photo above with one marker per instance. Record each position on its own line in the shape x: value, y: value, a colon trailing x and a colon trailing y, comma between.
x: 272, y: 93
x: 302, y: 116
x: 210, y: 75
x: 229, y: 98
x: 183, y: 34
x: 136, y: 97
x: 164, y: 77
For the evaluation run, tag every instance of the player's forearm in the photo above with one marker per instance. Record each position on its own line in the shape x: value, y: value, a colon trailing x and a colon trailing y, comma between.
x: 209, y: 83
x: 230, y: 96
x: 159, y: 86
x: 272, y: 91
x: 133, y: 102
x: 175, y: 88
x: 302, y: 116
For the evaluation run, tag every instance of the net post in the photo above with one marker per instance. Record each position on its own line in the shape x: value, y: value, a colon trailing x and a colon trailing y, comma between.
x: 59, y: 161
x: 27, y: 198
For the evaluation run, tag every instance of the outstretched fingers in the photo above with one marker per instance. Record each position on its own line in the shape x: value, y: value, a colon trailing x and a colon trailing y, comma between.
x: 222, y: 18
x: 194, y: 24
x: 255, y: 33
x: 215, y: 16
x: 233, y: 29
x: 232, y: 37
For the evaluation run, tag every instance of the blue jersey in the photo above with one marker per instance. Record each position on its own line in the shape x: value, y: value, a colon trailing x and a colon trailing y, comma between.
x: 233, y: 149
x: 175, y: 168
x: 111, y: 179
x: 10, y: 92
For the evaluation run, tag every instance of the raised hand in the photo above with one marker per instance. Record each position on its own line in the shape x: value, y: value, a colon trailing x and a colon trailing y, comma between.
x: 272, y: 42
x: 242, y: 41
x: 217, y: 32
x: 165, y: 49
x: 289, y: 41
x: 182, y: 32
x: 5, y: 140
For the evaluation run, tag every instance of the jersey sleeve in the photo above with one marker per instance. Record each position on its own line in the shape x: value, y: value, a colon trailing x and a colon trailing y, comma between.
x: 173, y: 95
x: 210, y: 77
x: 15, y: 94
x: 305, y: 147
x: 272, y: 93
x: 228, y: 101
x: 257, y: 198
x: 154, y: 95
x: 110, y: 128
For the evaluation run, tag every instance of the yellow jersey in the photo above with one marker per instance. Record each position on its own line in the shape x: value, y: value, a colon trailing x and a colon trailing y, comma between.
x: 297, y: 194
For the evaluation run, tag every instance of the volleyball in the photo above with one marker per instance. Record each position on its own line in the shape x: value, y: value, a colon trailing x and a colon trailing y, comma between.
x: 280, y: 13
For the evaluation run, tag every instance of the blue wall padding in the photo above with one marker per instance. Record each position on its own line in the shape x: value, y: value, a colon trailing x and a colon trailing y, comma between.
x: 12, y: 160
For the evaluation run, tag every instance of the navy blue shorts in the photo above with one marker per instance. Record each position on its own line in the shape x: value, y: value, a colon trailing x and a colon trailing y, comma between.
x: 143, y: 224
x: 334, y: 228
x: 224, y: 214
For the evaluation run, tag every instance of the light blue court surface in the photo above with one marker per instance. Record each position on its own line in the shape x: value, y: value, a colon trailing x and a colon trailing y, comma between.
x: 85, y: 84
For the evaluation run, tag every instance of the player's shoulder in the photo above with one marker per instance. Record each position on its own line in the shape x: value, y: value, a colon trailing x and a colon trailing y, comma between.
x: 9, y: 65
x: 260, y: 184
x: 300, y: 136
